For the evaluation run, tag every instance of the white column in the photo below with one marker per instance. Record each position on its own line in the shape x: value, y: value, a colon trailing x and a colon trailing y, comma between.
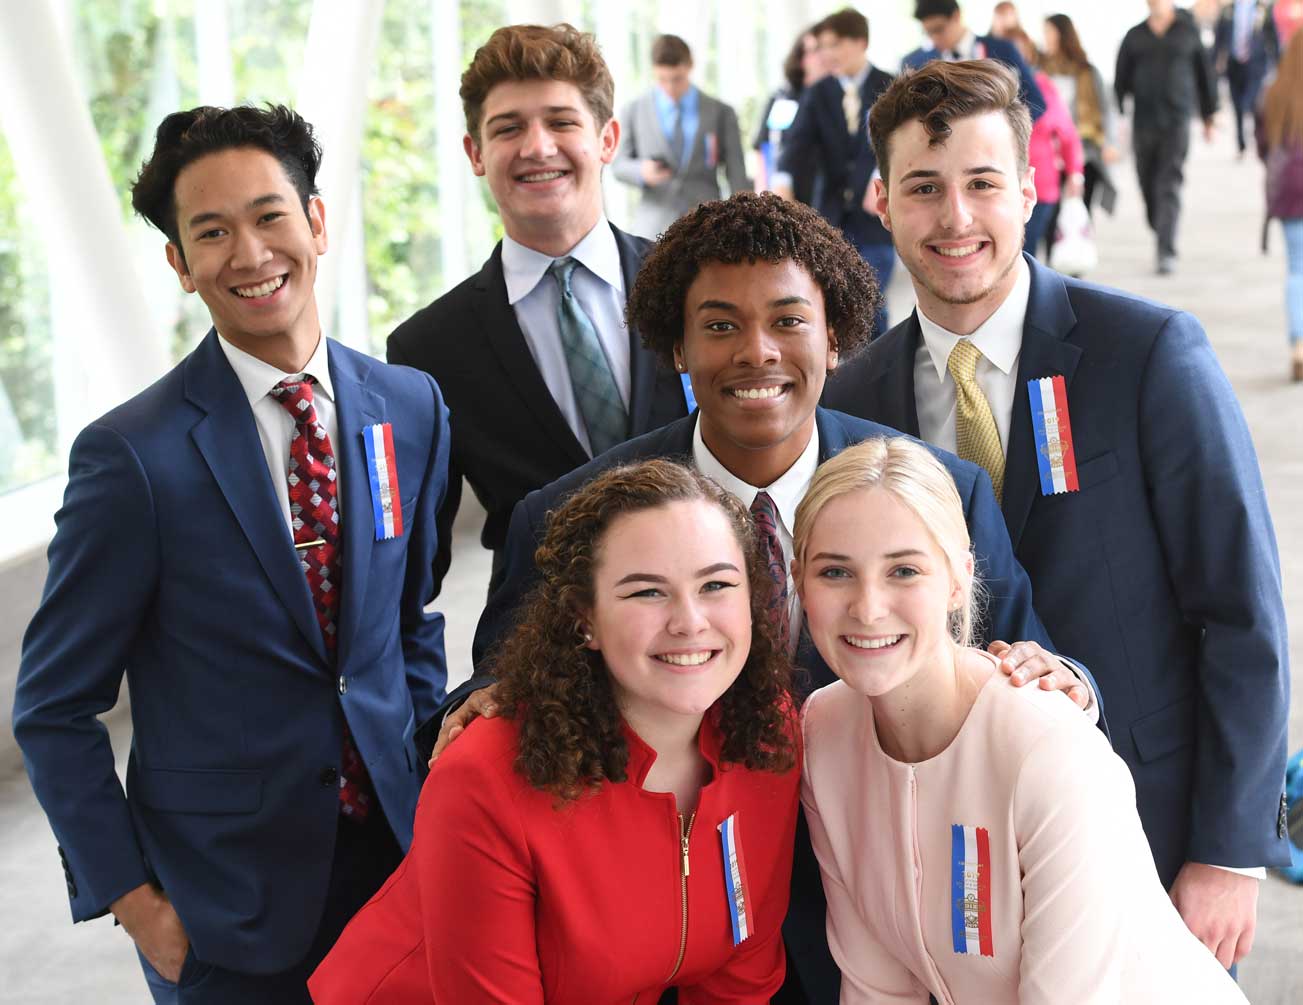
x: 352, y: 322
x: 102, y: 325
x: 337, y: 66
x: 456, y: 198
x: 213, y: 53
x: 614, y: 32
x: 538, y: 11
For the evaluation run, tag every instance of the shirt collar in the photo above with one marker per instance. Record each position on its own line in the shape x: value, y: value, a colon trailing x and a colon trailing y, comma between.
x: 523, y: 267
x: 664, y: 103
x: 858, y: 79
x: 258, y: 377
x: 786, y: 492
x: 999, y: 337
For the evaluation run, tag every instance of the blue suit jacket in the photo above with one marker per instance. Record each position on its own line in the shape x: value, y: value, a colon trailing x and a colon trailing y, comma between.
x: 173, y: 563
x: 1010, y: 616
x: 1161, y: 572
x: 995, y: 48
x: 844, y: 160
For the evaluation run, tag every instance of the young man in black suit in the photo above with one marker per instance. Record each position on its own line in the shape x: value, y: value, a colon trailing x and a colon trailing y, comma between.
x: 539, y: 371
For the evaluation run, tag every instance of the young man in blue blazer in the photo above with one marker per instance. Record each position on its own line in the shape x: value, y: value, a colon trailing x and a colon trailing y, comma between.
x: 1131, y: 490
x: 250, y: 542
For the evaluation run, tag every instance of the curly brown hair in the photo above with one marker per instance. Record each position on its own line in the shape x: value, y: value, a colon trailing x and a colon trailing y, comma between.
x: 752, y: 227
x: 560, y: 692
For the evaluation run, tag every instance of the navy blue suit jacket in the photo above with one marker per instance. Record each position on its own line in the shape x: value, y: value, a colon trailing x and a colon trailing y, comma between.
x: 1161, y: 572
x: 993, y: 48
x: 173, y: 564
x: 845, y: 161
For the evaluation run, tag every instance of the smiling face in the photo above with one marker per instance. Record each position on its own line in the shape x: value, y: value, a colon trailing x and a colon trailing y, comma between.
x: 250, y: 252
x: 956, y: 213
x: 877, y: 591
x: 671, y: 610
x: 757, y: 346
x: 542, y: 154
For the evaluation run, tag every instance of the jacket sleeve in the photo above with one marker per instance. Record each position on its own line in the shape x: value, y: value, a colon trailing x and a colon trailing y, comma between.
x: 1210, y: 510
x: 870, y: 974
x: 1123, y: 73
x: 103, y: 567
x: 477, y: 887
x: 519, y: 574
x: 730, y: 140
x: 627, y: 165
x: 801, y: 141
x: 1205, y: 79
x: 1081, y: 852
x: 423, y: 653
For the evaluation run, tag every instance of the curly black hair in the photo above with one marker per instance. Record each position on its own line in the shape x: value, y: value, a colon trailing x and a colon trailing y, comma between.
x: 752, y: 227
x: 559, y: 690
x: 184, y: 137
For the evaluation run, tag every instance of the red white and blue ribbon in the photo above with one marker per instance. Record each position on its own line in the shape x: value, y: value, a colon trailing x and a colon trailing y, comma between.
x: 382, y: 469
x: 970, y: 890
x: 736, y: 885
x: 712, y: 150
x: 1052, y: 428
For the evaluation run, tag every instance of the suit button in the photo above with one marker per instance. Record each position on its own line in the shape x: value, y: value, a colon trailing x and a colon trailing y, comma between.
x: 329, y: 777
x: 343, y: 685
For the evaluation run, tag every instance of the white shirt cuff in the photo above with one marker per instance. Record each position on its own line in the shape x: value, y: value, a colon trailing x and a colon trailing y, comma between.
x: 1253, y: 872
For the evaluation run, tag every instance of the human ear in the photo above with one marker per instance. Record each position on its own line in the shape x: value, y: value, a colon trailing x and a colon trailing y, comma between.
x: 317, y: 221
x: 176, y: 259
x: 473, y: 155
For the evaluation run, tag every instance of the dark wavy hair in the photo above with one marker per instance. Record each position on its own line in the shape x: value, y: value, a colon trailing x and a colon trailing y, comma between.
x: 752, y: 227
x: 559, y: 691
x: 183, y: 137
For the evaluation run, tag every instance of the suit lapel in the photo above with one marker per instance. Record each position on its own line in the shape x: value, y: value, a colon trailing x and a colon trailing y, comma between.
x: 227, y: 439
x: 642, y: 362
x: 356, y: 407
x: 890, y: 389
x: 1044, y: 353
x: 507, y: 341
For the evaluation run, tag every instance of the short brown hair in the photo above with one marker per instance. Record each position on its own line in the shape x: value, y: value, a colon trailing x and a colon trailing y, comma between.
x: 536, y: 52
x: 670, y: 50
x: 751, y: 227
x: 845, y: 23
x: 559, y: 691
x: 940, y: 92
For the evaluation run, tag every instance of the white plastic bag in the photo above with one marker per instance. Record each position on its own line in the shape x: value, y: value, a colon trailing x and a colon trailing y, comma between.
x: 1074, y: 249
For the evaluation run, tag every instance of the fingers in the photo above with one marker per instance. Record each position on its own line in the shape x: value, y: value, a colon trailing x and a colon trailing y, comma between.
x: 998, y: 649
x: 479, y: 703
x: 448, y: 733
x: 1244, y: 944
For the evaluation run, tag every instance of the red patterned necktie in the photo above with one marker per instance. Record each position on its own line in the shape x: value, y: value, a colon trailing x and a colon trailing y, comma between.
x: 765, y: 514
x: 314, y: 515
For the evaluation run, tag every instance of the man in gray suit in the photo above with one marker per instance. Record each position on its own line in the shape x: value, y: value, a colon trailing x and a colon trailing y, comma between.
x: 676, y: 139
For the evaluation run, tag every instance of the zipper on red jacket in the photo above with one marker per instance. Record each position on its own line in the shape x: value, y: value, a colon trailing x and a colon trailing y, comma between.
x: 685, y: 832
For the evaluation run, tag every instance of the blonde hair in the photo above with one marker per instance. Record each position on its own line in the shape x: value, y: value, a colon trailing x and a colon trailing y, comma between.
x: 918, y: 481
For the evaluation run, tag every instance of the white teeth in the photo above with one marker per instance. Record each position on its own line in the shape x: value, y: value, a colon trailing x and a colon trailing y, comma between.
x: 543, y: 176
x: 685, y: 659
x: 967, y: 249
x: 881, y: 643
x: 752, y: 393
x: 270, y: 286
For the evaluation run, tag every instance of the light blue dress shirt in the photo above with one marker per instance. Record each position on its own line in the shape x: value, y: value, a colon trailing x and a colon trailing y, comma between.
x: 689, y: 107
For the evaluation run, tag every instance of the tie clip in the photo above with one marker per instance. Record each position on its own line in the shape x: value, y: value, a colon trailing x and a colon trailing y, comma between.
x: 309, y: 544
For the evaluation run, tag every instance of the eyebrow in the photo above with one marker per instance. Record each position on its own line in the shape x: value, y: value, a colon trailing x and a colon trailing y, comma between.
x: 832, y: 556
x: 549, y: 110
x: 724, y: 305
x: 262, y: 200
x: 649, y: 577
x: 983, y: 169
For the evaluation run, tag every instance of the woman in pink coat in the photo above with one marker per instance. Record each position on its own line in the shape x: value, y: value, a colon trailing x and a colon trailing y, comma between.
x: 978, y: 842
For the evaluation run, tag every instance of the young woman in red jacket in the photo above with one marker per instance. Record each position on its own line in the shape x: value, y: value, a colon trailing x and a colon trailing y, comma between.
x: 626, y: 825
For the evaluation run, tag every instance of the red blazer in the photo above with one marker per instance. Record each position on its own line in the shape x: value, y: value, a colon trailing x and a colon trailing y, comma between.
x: 506, y: 898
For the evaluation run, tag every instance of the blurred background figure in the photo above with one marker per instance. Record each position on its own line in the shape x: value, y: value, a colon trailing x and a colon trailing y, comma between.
x: 1163, y: 67
x: 1244, y: 51
x: 1287, y: 16
x: 676, y: 139
x: 1054, y: 151
x: 802, y: 68
x: 1280, y: 144
x: 1004, y: 20
x: 1081, y: 86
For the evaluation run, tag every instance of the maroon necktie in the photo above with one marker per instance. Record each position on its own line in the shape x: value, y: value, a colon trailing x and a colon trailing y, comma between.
x: 314, y: 514
x: 765, y: 514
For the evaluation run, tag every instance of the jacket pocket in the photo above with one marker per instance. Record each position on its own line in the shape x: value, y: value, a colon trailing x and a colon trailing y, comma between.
x: 1096, y: 470
x: 1160, y: 733
x: 198, y: 790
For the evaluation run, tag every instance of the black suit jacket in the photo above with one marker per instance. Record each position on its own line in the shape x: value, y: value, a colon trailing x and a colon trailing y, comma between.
x: 508, y: 436
x: 846, y: 160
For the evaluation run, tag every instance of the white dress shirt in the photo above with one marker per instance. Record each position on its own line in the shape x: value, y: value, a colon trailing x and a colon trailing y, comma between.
x: 275, y: 427
x: 787, y: 493
x: 1000, y: 340
x: 598, y: 285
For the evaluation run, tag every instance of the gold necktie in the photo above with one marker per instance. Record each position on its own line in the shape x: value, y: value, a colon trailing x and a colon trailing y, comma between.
x: 976, y: 437
x: 851, y: 106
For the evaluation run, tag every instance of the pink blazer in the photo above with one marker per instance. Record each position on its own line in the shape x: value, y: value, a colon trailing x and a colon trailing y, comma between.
x: 1054, y: 139
x: 1010, y: 868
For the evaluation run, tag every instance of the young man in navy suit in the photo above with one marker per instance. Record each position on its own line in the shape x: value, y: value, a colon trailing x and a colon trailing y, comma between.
x: 758, y: 300
x: 1130, y: 487
x: 249, y: 541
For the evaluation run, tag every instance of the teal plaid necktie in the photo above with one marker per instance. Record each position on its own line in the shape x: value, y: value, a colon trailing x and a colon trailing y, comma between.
x: 596, y: 392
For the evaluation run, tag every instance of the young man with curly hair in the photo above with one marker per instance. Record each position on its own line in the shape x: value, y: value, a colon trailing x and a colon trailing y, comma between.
x: 758, y: 300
